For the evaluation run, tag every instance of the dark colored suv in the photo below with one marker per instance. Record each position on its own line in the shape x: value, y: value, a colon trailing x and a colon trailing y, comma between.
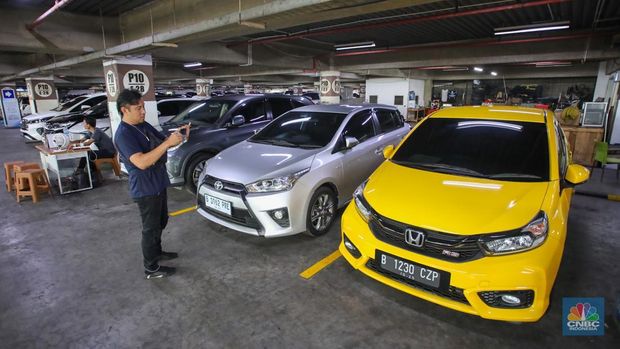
x: 217, y: 124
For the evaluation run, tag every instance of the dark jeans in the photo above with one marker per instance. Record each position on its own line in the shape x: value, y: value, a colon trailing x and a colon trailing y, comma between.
x: 154, y: 214
x: 92, y: 156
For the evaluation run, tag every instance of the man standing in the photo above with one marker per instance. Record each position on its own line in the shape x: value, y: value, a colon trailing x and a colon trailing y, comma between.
x: 143, y: 151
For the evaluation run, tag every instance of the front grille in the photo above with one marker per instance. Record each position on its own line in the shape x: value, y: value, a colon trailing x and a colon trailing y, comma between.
x: 230, y: 187
x: 449, y: 247
x: 493, y: 298
x: 239, y: 215
x: 453, y: 293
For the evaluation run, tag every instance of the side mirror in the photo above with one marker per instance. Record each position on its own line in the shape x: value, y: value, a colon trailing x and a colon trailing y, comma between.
x: 158, y: 113
x: 84, y: 107
x: 237, y: 120
x: 388, y: 151
x: 576, y: 174
x: 350, y: 142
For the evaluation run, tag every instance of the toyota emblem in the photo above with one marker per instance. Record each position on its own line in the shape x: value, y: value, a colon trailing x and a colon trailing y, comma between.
x: 218, y: 185
x: 414, y: 237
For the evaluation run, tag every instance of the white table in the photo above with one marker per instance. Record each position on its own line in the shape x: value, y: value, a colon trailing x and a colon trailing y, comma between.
x: 62, y: 164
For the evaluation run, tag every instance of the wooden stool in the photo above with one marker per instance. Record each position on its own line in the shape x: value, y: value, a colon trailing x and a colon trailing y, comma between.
x: 30, y: 182
x: 112, y: 161
x: 17, y: 168
x: 8, y: 174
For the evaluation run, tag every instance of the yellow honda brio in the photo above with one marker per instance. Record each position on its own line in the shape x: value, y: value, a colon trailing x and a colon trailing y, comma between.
x: 469, y: 212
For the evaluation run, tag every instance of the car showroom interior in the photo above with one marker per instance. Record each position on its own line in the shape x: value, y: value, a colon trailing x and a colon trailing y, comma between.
x: 310, y: 174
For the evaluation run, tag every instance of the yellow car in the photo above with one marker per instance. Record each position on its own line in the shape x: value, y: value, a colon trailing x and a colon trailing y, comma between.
x: 469, y: 212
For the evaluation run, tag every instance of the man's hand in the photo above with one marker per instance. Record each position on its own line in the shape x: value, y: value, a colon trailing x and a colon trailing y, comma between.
x: 174, y: 139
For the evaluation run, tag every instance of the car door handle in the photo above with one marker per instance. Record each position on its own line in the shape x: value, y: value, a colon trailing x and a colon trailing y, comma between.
x: 379, y: 151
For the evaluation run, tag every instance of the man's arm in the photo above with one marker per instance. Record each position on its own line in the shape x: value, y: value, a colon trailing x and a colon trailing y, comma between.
x: 146, y: 160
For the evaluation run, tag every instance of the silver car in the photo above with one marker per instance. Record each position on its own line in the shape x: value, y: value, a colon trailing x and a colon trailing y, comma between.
x: 295, y: 173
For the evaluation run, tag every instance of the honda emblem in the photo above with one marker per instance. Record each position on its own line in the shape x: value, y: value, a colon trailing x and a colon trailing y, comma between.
x: 414, y: 237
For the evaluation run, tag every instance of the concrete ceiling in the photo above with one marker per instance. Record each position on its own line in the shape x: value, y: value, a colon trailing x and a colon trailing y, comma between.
x: 414, y: 38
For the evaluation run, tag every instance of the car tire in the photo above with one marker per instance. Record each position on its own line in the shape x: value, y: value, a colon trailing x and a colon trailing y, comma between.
x: 322, y: 211
x: 192, y: 172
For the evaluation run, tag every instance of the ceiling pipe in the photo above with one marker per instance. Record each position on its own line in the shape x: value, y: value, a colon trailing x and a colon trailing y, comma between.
x: 408, y: 21
x: 57, y: 6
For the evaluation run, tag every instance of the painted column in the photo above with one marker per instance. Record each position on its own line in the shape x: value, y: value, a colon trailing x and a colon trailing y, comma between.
x: 247, y: 89
x: 135, y: 73
x: 203, y: 87
x: 363, y: 91
x: 9, y: 106
x: 329, y: 87
x: 42, y: 94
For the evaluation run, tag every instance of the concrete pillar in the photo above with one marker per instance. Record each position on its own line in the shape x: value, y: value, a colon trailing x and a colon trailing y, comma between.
x: 42, y: 94
x: 330, y: 87
x: 203, y: 87
x: 297, y: 90
x: 247, y: 88
x: 9, y: 106
x: 428, y: 93
x: 134, y: 73
x: 362, y: 91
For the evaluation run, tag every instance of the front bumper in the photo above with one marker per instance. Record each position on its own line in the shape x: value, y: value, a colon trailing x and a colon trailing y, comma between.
x: 531, y: 270
x: 250, y: 211
x: 33, y: 131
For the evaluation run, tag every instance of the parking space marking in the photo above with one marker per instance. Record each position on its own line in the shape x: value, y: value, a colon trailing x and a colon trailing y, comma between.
x: 180, y: 212
x: 320, y: 265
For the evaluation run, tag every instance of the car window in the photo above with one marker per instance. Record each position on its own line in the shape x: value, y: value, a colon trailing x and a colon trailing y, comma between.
x: 167, y: 108
x: 301, y: 129
x: 388, y: 120
x: 280, y: 106
x: 252, y: 111
x: 501, y: 150
x: 95, y: 100
x: 202, y: 113
x: 68, y: 104
x: 561, y: 149
x: 360, y: 126
x: 297, y: 104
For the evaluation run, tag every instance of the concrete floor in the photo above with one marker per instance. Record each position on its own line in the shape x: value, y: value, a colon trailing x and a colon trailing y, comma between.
x: 71, y: 277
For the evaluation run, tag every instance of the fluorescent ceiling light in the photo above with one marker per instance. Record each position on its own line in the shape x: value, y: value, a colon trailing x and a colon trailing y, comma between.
x: 478, y: 69
x: 355, y: 45
x: 165, y: 44
x: 493, y: 73
x: 251, y: 24
x: 456, y: 69
x: 532, y: 28
x: 192, y: 65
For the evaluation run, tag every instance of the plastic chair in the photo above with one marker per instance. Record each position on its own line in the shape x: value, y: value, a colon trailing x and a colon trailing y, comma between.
x: 600, y: 155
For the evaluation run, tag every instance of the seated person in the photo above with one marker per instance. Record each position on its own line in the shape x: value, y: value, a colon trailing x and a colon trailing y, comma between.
x: 102, y: 141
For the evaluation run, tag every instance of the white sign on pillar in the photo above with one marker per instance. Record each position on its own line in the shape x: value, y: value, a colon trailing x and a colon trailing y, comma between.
x: 202, y: 87
x: 329, y: 87
x: 42, y: 94
x: 133, y: 73
x: 9, y: 107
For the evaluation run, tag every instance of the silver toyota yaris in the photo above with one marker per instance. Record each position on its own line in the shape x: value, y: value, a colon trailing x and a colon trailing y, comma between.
x: 293, y: 174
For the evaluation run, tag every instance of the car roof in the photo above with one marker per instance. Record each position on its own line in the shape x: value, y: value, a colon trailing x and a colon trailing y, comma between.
x: 240, y: 97
x: 188, y: 99
x: 341, y: 108
x: 506, y: 113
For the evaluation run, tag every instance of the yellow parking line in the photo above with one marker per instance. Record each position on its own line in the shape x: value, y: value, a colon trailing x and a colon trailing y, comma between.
x: 180, y: 212
x: 320, y: 265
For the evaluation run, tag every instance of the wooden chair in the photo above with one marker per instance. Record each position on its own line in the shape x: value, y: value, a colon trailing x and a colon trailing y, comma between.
x: 17, y: 168
x: 31, y: 182
x: 9, y: 172
x: 113, y: 161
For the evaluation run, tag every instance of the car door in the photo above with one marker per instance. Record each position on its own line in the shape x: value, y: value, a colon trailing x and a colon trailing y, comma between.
x: 360, y: 161
x: 391, y: 127
x: 255, y: 116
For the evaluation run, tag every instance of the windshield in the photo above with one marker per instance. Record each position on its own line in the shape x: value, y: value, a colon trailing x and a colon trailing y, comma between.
x: 301, y: 129
x: 502, y: 150
x: 98, y: 108
x: 70, y: 103
x: 203, y: 113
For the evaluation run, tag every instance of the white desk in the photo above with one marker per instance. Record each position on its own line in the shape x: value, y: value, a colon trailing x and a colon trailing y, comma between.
x: 62, y: 164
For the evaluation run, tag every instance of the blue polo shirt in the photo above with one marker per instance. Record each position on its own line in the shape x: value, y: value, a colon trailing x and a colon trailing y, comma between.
x: 142, y: 138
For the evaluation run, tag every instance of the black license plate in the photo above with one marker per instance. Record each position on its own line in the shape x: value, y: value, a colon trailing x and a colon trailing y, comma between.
x: 413, y: 271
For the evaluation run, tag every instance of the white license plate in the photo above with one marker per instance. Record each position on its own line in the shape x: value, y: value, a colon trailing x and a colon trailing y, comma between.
x: 218, y: 204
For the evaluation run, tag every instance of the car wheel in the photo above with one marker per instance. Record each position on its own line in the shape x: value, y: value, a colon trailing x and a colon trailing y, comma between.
x: 195, y: 168
x: 321, y: 211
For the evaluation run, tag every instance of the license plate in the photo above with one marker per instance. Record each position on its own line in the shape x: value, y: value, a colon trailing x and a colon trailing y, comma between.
x: 218, y: 204
x: 413, y: 271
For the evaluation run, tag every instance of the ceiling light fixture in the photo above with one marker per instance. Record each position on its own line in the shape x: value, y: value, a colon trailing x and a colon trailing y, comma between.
x: 192, y: 65
x: 165, y: 44
x: 251, y: 24
x: 478, y: 69
x: 532, y: 28
x: 356, y: 45
x: 456, y: 69
x: 493, y: 73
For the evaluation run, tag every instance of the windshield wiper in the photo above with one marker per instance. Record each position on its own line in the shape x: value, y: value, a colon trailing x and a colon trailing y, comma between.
x: 283, y: 143
x: 517, y: 176
x: 453, y: 169
x: 309, y: 146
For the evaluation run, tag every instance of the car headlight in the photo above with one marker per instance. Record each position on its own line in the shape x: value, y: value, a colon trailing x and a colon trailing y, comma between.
x: 360, y: 203
x: 275, y: 184
x: 529, y: 237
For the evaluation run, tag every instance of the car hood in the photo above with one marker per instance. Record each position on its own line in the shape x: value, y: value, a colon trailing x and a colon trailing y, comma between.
x: 42, y: 116
x: 248, y: 162
x: 450, y: 203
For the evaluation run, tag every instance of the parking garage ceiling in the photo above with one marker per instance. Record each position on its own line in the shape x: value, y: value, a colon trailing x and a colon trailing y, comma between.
x: 411, y: 38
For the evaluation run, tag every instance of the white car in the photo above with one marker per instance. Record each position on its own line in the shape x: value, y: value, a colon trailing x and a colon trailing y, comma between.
x: 33, y: 125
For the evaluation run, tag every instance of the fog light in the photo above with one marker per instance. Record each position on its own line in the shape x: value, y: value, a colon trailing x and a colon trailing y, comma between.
x: 512, y: 300
x: 280, y: 216
x: 350, y: 247
x: 508, y: 299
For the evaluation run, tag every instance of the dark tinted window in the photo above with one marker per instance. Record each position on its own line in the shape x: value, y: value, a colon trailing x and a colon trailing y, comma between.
x: 96, y: 100
x: 252, y: 111
x: 207, y: 112
x: 360, y: 126
x: 280, y: 106
x: 167, y: 108
x: 301, y: 129
x: 68, y: 104
x: 297, y: 104
x: 388, y: 120
x: 504, y: 150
